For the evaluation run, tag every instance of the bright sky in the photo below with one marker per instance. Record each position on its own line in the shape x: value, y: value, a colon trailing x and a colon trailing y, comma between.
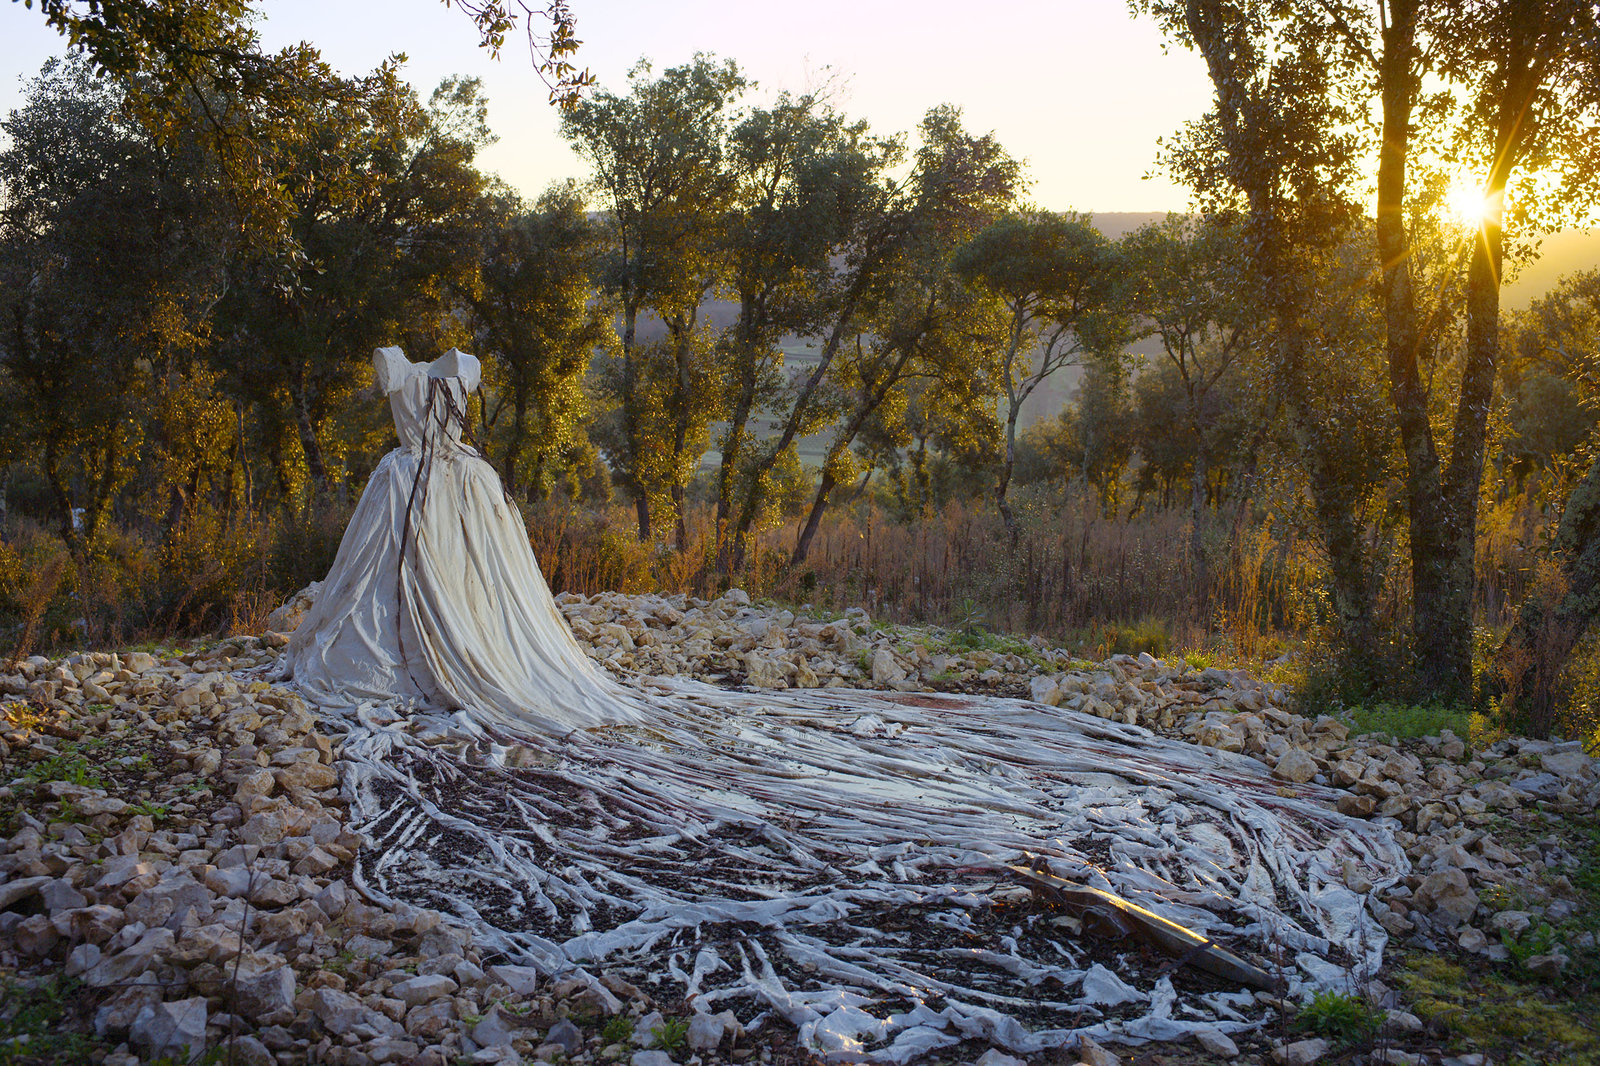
x: 1077, y: 89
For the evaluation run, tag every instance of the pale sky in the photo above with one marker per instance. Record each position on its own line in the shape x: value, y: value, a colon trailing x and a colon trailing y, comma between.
x: 1076, y: 88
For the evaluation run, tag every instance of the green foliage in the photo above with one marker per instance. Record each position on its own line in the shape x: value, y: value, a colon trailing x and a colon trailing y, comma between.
x: 1344, y: 1018
x: 533, y: 315
x: 69, y: 767
x: 1478, y: 1007
x: 1146, y: 635
x: 1406, y: 721
x: 617, y: 1029
x: 31, y: 1022
x: 672, y: 1034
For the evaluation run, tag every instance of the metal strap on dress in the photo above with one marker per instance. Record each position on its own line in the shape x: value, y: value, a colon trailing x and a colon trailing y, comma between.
x: 441, y: 412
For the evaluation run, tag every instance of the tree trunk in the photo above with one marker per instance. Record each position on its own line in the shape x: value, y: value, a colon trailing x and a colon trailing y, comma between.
x: 1006, y: 466
x: 630, y: 418
x: 802, y: 546
x: 61, y: 492
x: 1013, y: 408
x: 1197, y: 517
x: 519, y: 431
x: 733, y: 441
x: 1441, y: 608
x: 755, y: 496
x: 683, y: 334
x: 308, y: 437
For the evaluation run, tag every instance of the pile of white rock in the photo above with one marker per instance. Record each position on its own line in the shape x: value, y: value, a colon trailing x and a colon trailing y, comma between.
x: 173, y: 836
x: 172, y: 833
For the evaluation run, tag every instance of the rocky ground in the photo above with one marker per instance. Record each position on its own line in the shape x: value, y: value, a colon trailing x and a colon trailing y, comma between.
x: 174, y: 862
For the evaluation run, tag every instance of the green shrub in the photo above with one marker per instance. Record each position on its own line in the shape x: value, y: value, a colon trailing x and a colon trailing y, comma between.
x: 672, y: 1034
x: 1406, y: 721
x: 1340, y: 1017
x: 618, y: 1028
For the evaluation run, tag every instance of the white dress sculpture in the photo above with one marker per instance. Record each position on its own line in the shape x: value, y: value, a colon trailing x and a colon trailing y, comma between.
x: 435, y: 598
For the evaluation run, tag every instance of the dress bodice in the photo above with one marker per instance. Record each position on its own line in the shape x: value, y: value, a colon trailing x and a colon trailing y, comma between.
x: 424, y: 396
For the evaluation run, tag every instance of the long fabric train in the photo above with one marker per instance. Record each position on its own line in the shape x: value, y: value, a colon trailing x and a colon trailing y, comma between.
x: 839, y: 859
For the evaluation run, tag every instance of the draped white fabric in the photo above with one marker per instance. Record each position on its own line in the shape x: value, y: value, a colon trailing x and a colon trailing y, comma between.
x: 434, y: 598
x: 837, y: 858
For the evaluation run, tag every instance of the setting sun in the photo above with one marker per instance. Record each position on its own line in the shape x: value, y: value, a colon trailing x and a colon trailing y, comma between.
x: 1465, y: 204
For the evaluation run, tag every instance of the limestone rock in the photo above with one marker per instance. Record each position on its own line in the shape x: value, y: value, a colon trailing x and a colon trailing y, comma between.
x: 289, y: 616
x: 423, y: 989
x: 1296, y: 766
x: 1217, y: 1043
x: 1447, y: 894
x: 339, y: 1012
x: 1302, y: 1052
x: 262, y: 989
x: 567, y: 1035
x: 176, y: 1029
x: 886, y: 670
x: 1546, y: 967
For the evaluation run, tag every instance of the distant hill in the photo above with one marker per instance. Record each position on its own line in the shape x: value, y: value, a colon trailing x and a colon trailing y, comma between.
x: 1116, y: 224
x: 1561, y: 254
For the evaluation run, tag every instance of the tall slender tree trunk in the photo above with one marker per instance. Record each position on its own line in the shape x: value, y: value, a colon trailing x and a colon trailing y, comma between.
x: 60, y: 491
x: 1019, y: 318
x: 1197, y: 515
x: 630, y: 416
x: 1006, y: 466
x: 519, y: 435
x: 1214, y: 32
x: 733, y: 440
x: 870, y: 402
x: 1441, y: 609
x: 755, y: 493
x: 308, y: 435
x: 682, y: 326
x: 808, y: 532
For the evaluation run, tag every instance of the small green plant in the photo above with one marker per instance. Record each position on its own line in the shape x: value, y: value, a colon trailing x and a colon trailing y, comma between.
x: 1540, y: 939
x: 69, y: 767
x: 618, y: 1028
x: 970, y: 618
x: 31, y: 1022
x: 1340, y: 1017
x: 340, y: 963
x: 672, y: 1034
x: 155, y: 811
x: 1404, y: 721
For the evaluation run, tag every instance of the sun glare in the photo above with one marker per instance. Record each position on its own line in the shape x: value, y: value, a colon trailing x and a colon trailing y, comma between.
x: 1465, y: 204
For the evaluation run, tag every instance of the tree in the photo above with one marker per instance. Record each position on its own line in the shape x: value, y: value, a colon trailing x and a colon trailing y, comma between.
x: 551, y: 52
x: 658, y: 158
x: 1562, y: 332
x: 194, y: 69
x: 383, y: 237
x: 113, y: 247
x: 796, y: 166
x: 918, y: 310
x: 1515, y: 84
x: 533, y: 315
x: 1276, y: 151
x: 1190, y: 290
x: 1061, y: 284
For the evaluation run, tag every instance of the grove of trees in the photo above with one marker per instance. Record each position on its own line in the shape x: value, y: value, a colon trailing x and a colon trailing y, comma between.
x: 201, y: 244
